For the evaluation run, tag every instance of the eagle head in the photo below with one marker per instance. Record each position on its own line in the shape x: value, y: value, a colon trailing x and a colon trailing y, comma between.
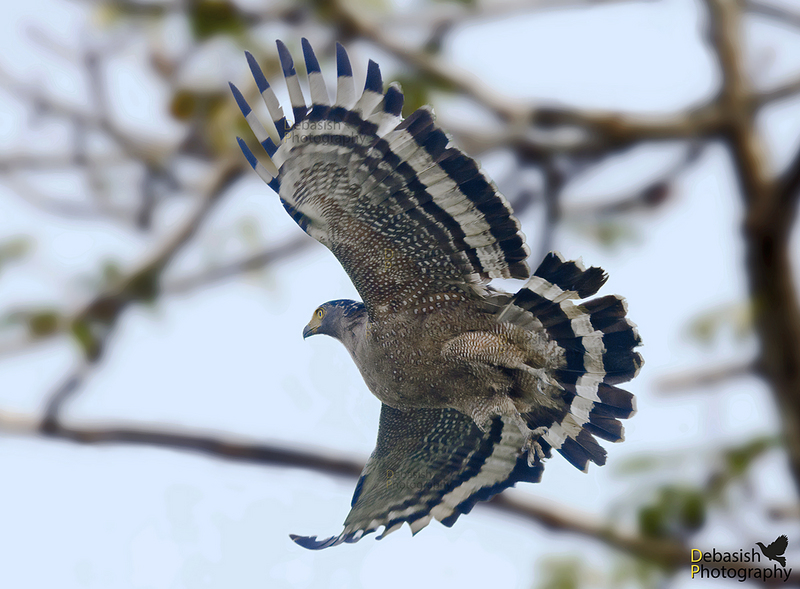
x: 336, y: 318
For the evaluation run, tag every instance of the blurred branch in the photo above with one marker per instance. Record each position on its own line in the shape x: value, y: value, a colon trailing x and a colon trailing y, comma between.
x: 60, y: 396
x: 63, y: 207
x: 541, y: 512
x: 778, y: 14
x: 554, y: 182
x: 16, y: 345
x: 654, y: 194
x: 452, y: 14
x: 645, y: 198
x: 705, y: 377
x: 134, y: 148
x: 614, y: 128
x: 785, y: 90
x: 19, y: 162
x: 296, y: 245
x: 141, y: 283
x: 784, y: 512
x: 666, y: 553
x: 92, y: 324
x: 669, y: 554
x: 739, y: 128
x: 788, y: 186
x: 771, y: 208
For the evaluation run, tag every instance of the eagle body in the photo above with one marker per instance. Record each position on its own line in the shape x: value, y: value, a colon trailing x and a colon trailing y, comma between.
x: 477, y: 386
x: 462, y: 358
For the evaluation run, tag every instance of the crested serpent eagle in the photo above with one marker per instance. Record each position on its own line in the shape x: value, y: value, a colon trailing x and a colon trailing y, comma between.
x: 477, y: 386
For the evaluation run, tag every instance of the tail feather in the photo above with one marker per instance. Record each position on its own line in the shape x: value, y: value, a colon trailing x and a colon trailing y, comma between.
x: 578, y: 449
x: 606, y: 428
x: 596, y: 348
x: 571, y: 276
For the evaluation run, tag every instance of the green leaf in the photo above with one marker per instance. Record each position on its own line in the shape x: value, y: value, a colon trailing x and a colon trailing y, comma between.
x: 735, y: 462
x: 608, y: 233
x: 562, y: 573
x: 82, y: 333
x: 109, y: 13
x: 417, y: 90
x: 112, y: 273
x: 208, y: 18
x: 707, y: 327
x: 629, y: 571
x: 14, y: 249
x: 45, y: 322
x: 643, y: 464
x: 143, y: 286
x: 183, y: 105
x: 740, y: 458
x: 675, y: 512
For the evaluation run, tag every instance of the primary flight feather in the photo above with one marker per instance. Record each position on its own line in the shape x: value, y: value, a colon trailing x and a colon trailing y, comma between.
x: 477, y: 385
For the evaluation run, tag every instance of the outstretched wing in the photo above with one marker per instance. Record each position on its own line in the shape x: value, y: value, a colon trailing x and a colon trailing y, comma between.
x: 404, y: 211
x: 779, y: 546
x: 430, y: 463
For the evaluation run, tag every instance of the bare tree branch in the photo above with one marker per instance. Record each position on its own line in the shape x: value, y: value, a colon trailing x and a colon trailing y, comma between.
x: 135, y: 148
x: 705, y: 377
x: 654, y: 194
x: 739, y: 128
x: 447, y: 15
x: 23, y: 162
x: 776, y: 13
x: 779, y: 92
x: 538, y: 511
x: 669, y: 554
x: 63, y: 207
x: 292, y: 247
x: 788, y: 190
x: 61, y: 395
x: 771, y: 210
x: 141, y: 283
x: 614, y: 128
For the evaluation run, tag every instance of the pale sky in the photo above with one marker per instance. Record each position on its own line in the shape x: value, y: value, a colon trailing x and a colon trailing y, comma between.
x: 231, y: 358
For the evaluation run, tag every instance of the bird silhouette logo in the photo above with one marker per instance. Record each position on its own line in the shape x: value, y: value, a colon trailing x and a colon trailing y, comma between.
x: 775, y: 550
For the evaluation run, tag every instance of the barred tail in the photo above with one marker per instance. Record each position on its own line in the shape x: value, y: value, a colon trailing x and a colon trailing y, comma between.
x: 597, y: 343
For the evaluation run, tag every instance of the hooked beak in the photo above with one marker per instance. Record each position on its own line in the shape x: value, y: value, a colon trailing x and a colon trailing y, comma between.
x: 308, y: 331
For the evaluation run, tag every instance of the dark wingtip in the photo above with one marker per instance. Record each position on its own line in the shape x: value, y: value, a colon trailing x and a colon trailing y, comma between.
x: 311, y: 542
x: 312, y: 64
x: 240, y: 101
x: 258, y: 74
x: 393, y: 101
x: 343, y: 67
x: 287, y: 63
x: 251, y: 159
x: 374, y: 81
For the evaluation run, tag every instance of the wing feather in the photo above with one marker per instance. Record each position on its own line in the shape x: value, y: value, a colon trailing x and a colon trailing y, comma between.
x: 430, y: 464
x: 404, y: 211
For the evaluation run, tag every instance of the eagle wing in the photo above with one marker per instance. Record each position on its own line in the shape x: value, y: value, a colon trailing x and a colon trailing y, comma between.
x: 430, y: 463
x: 405, y: 212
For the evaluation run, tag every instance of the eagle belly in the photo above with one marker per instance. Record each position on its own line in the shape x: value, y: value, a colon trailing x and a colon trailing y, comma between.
x: 458, y: 358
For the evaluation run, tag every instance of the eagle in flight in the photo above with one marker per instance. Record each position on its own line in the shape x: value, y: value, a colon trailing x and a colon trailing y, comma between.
x: 477, y: 385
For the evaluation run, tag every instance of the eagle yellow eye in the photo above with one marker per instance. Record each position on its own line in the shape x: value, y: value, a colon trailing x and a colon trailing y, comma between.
x: 320, y: 313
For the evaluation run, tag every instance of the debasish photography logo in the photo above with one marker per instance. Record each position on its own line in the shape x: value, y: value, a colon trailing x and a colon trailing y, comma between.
x: 322, y: 133
x: 743, y: 564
